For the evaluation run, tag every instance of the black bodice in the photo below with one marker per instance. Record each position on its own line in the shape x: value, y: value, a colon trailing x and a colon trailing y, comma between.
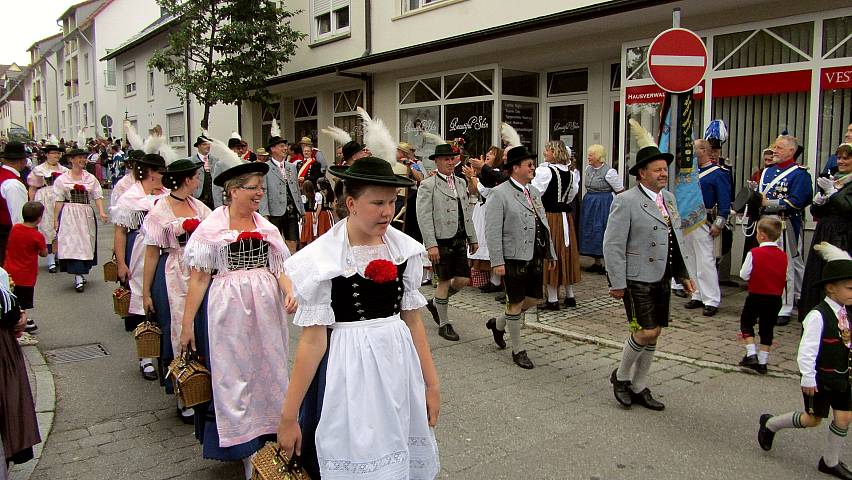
x: 357, y: 298
x: 248, y: 254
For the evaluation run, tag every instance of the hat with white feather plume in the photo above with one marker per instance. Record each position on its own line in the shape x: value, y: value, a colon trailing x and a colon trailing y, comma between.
x: 515, y: 151
x: 378, y: 138
x: 275, y: 136
x: 348, y: 147
x: 838, y: 263
x: 52, y: 145
x: 648, y: 149
x: 80, y: 148
x: 232, y: 165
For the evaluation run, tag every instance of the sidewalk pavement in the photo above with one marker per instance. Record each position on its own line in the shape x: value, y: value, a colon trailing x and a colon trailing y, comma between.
x: 44, y: 394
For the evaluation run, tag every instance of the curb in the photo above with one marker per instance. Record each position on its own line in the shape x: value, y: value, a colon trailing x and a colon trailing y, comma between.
x: 45, y: 407
x: 582, y: 337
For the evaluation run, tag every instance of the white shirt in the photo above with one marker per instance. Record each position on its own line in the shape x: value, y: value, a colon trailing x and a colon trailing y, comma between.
x: 446, y: 179
x: 15, y: 194
x: 809, y: 345
x: 543, y: 175
x: 745, y: 271
x: 613, y: 179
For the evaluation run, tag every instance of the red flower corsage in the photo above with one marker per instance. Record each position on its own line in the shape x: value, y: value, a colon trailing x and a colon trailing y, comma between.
x: 190, y: 224
x: 381, y: 271
x: 79, y: 188
x: 56, y: 174
x: 250, y: 236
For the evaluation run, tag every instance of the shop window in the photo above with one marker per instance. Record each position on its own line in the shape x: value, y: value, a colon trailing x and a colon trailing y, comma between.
x: 523, y: 116
x: 305, y: 107
x: 837, y: 37
x: 351, y: 124
x: 348, y: 101
x: 834, y: 120
x: 331, y: 17
x: 615, y: 76
x: 471, y: 121
x: 567, y: 82
x: 413, y: 122
x: 176, y: 128
x: 469, y: 84
x: 520, y: 84
x: 762, y: 47
x: 754, y: 122
x: 636, y: 65
x: 306, y: 128
x: 418, y: 91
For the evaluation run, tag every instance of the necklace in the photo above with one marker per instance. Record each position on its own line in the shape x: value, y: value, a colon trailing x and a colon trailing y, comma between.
x: 176, y: 197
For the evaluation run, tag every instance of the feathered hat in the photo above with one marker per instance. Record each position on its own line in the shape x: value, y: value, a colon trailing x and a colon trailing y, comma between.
x: 52, y: 145
x: 648, y: 149
x: 176, y: 169
x: 235, y: 140
x: 348, y: 147
x: 716, y: 133
x: 275, y: 136
x: 151, y: 148
x: 378, y: 138
x: 81, y: 144
x: 232, y: 165
x: 838, y: 263
x: 515, y: 152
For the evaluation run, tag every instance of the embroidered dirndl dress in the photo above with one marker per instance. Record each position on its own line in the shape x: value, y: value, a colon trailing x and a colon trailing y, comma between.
x: 245, y: 325
x: 365, y: 414
x: 77, y: 246
x: 42, y: 178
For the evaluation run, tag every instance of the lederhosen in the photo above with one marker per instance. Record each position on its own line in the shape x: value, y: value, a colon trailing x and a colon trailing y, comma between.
x: 524, y: 278
x: 832, y: 368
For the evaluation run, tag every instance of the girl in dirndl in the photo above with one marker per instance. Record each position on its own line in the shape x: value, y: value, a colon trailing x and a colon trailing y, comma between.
x: 368, y: 390
x: 41, y: 190
x: 76, y: 226
x: 128, y: 215
x: 239, y: 327
x: 167, y: 228
x: 318, y: 213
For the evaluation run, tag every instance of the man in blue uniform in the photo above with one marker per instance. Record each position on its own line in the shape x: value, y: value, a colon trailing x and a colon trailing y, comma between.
x: 787, y: 188
x: 724, y: 241
x: 699, y: 251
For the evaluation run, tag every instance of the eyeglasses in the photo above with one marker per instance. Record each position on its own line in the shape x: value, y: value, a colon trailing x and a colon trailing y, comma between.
x: 252, y: 188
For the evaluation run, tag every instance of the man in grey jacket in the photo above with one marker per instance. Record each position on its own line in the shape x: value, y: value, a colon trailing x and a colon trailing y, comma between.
x: 642, y: 251
x: 444, y: 217
x: 282, y: 204
x: 519, y: 244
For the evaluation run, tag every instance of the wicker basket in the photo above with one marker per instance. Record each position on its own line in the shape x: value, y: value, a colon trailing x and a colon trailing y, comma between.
x: 148, y: 335
x: 111, y: 271
x: 191, y: 380
x: 270, y: 463
x: 121, y: 302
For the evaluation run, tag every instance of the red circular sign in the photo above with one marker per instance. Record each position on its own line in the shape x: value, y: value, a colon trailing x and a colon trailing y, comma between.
x: 677, y: 60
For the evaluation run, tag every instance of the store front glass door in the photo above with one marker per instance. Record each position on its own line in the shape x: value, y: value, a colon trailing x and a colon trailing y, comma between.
x: 566, y: 122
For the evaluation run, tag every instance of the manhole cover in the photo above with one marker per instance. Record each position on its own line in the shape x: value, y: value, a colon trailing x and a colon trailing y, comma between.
x: 76, y: 354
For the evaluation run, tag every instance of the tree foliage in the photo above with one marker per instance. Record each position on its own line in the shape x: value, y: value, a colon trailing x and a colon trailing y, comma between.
x: 223, y: 51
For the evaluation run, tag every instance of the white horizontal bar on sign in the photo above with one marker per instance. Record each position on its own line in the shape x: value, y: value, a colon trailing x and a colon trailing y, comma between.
x: 677, y: 60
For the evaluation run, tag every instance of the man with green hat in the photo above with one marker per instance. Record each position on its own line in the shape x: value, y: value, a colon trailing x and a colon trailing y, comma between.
x: 444, y: 217
x: 13, y: 193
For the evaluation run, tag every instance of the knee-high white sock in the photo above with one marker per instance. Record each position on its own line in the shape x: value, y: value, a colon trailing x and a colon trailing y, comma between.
x: 629, y: 355
x: 569, y: 291
x: 513, y: 323
x: 78, y: 279
x: 835, y: 441
x: 787, y: 420
x: 642, y: 367
x: 495, y: 279
x: 552, y: 294
x: 51, y: 259
x: 441, y: 305
x: 247, y: 468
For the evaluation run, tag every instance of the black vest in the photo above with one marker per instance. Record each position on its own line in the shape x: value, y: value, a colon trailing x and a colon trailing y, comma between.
x: 832, y: 363
x: 357, y: 298
x: 555, y: 198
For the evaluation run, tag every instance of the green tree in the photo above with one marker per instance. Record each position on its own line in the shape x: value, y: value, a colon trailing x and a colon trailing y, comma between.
x: 223, y: 51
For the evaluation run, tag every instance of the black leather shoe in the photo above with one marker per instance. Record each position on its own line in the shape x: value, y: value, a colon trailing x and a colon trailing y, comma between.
x: 621, y: 390
x: 693, y: 304
x: 761, y: 368
x: 491, y: 324
x: 549, y: 306
x: 645, y: 399
x: 490, y: 288
x: 678, y: 292
x: 840, y: 470
x: 51, y: 269
x: 595, y: 268
x: 749, y: 361
x: 570, y: 302
x: 783, y: 320
x: 80, y: 287
x: 186, y: 415
x: 765, y: 436
x: 522, y: 360
x: 709, y: 311
x: 150, y: 376
x: 448, y: 333
x: 430, y: 305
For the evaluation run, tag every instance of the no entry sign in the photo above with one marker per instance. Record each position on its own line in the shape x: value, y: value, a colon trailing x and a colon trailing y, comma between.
x: 677, y: 60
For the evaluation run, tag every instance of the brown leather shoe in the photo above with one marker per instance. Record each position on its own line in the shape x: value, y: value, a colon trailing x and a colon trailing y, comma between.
x: 522, y: 360
x: 448, y: 333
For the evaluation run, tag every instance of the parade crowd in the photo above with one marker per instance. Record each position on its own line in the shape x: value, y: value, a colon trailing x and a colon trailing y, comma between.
x: 220, y: 250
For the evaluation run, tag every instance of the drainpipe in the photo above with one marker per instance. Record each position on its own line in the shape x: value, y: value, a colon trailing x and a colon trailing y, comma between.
x: 94, y: 75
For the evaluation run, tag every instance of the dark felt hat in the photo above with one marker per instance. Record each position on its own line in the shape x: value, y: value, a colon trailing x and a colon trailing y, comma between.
x: 234, y: 142
x: 178, y: 169
x: 351, y: 148
x: 76, y: 152
x: 649, y: 154
x: 237, y: 170
x: 517, y: 154
x: 201, y: 139
x: 443, y: 150
x: 151, y: 160
x: 133, y: 155
x: 14, y: 151
x: 52, y: 148
x: 836, y: 270
x: 371, y: 170
x: 276, y: 140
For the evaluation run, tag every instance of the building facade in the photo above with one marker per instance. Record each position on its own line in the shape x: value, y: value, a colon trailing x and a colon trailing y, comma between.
x: 12, y: 118
x: 41, y: 105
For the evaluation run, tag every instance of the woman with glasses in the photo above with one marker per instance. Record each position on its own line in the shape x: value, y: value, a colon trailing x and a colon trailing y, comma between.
x: 237, y: 257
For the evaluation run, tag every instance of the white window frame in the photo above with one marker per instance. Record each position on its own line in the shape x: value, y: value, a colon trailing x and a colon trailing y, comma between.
x: 150, y: 78
x: 110, y: 80
x: 176, y: 140
x: 129, y: 88
x: 318, y: 9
